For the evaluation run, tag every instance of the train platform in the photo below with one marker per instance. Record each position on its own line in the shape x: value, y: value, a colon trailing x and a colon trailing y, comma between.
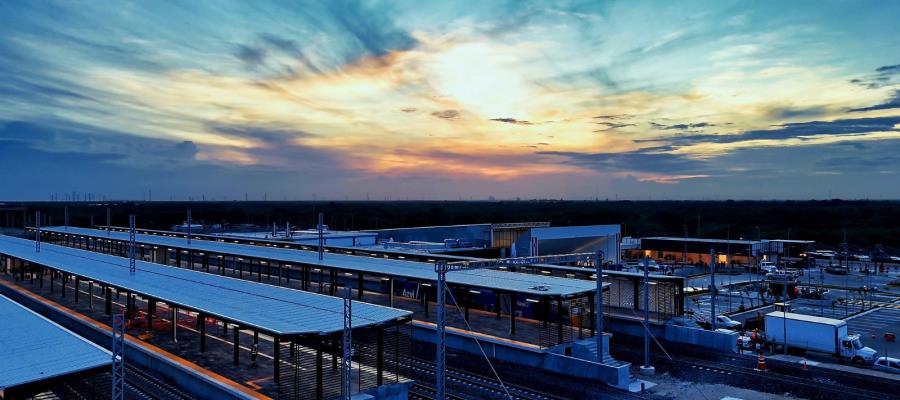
x: 30, y: 363
x: 304, y: 327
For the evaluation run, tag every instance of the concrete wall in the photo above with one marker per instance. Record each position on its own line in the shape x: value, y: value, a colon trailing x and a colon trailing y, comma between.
x: 571, y: 239
x: 721, y: 341
x: 528, y: 356
x: 614, y: 376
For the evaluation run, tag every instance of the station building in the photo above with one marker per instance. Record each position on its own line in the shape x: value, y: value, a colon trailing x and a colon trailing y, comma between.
x: 680, y: 250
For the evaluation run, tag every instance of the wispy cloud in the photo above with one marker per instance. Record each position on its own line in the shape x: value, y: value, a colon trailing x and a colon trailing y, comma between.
x: 893, y: 102
x: 471, y: 94
x: 886, y: 75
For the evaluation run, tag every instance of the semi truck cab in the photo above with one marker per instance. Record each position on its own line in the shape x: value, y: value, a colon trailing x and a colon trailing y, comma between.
x: 853, y: 349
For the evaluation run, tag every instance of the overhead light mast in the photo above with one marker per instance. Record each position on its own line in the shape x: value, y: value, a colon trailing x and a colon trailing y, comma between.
x: 131, y: 244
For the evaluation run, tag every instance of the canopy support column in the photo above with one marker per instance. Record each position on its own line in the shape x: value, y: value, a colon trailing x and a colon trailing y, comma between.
x: 237, y: 343
x: 277, y: 351
x: 201, y: 319
x: 379, y: 355
x: 512, y: 313
x: 151, y: 309
x: 108, y: 291
x: 319, y: 387
x: 559, y: 321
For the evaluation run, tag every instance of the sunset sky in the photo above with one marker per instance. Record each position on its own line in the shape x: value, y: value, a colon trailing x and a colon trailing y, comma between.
x: 450, y: 99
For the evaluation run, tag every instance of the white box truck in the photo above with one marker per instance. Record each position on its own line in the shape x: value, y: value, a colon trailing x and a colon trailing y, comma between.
x: 825, y: 335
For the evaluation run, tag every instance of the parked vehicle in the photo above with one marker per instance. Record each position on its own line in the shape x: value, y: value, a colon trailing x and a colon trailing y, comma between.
x: 654, y: 268
x: 766, y: 267
x: 887, y: 364
x: 825, y: 335
x: 723, y: 321
x: 836, y: 269
x: 781, y: 276
x: 812, y: 292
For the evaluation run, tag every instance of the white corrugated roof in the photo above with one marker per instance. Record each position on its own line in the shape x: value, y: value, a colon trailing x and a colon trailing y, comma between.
x: 33, y: 348
x: 266, y: 307
x: 482, y: 278
x: 807, y: 318
x: 565, y: 232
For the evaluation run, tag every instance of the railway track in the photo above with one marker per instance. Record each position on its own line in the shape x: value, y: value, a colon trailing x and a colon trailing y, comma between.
x: 138, y: 386
x: 421, y: 391
x: 142, y: 386
x: 465, y: 385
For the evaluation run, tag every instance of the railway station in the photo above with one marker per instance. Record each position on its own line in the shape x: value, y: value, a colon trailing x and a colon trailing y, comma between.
x: 305, y: 328
x: 532, y: 308
x: 667, y: 293
x: 539, y: 309
x: 684, y: 250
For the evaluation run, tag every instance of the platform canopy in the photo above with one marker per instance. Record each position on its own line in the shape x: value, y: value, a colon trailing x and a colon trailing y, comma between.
x: 35, y: 352
x: 531, y: 284
x: 268, y: 308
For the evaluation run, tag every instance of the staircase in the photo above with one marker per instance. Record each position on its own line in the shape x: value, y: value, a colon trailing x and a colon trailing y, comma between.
x: 587, y: 350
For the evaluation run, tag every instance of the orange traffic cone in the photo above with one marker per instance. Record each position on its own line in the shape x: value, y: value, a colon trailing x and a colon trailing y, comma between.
x: 805, y: 367
x: 761, y: 364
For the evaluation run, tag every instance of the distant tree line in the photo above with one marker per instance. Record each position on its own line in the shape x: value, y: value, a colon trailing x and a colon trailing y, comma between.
x: 867, y: 223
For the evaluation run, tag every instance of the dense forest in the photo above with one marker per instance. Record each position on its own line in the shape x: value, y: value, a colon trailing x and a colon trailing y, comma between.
x: 867, y: 223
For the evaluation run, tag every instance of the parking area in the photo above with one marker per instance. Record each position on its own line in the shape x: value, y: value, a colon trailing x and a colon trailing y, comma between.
x: 873, y: 325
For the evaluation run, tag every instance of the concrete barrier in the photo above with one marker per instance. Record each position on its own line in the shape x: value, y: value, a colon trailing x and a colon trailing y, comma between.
x: 527, y: 355
x: 616, y: 376
x: 391, y: 391
x: 717, y: 340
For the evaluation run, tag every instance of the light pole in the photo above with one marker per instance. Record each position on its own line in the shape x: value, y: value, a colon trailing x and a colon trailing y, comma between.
x: 37, y: 232
x: 784, y: 307
x: 598, y: 315
x: 646, y: 369
x: 320, y: 230
x: 846, y: 274
x: 131, y: 244
x: 347, y: 347
x: 728, y: 262
x: 712, y: 289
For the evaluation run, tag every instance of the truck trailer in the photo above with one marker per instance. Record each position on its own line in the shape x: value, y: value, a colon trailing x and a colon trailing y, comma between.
x: 818, y: 334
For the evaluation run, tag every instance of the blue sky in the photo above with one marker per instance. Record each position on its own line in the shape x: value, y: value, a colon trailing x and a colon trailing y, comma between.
x: 448, y: 100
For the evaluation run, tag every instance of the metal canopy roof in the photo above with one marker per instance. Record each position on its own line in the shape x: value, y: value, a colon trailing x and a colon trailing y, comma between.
x: 33, y: 348
x: 701, y: 240
x: 265, y: 307
x: 483, y: 278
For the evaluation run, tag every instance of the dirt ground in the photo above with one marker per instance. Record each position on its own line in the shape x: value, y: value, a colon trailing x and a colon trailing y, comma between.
x: 670, y: 387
